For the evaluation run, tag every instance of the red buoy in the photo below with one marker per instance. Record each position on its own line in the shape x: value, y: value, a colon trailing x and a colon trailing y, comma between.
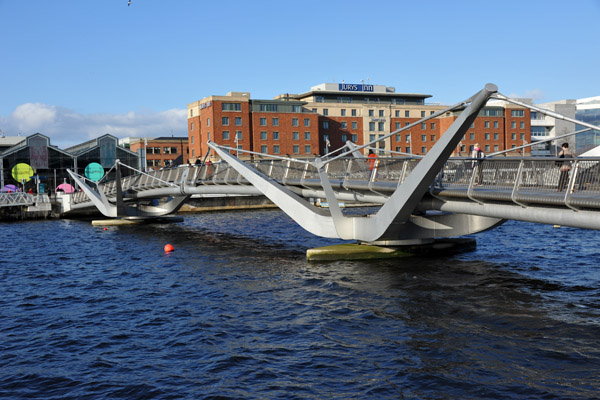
x: 169, y: 248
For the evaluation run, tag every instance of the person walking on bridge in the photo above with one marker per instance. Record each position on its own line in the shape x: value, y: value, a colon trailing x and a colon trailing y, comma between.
x: 477, y: 155
x: 371, y: 160
x: 565, y: 166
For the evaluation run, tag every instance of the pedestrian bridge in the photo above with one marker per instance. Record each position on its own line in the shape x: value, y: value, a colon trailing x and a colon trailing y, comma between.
x: 419, y: 198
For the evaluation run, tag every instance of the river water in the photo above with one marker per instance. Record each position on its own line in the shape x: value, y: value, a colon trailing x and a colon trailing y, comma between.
x: 236, y: 311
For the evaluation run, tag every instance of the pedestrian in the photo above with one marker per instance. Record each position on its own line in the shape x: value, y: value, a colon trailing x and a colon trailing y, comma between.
x: 371, y: 161
x: 478, y: 155
x: 565, y: 166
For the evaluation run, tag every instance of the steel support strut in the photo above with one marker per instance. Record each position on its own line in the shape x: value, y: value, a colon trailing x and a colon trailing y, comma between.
x: 390, y: 221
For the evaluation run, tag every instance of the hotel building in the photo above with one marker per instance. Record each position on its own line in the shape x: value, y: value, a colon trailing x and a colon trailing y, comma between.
x: 324, y: 118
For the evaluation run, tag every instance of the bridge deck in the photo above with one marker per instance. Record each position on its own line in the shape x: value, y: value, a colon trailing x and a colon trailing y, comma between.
x: 524, y: 181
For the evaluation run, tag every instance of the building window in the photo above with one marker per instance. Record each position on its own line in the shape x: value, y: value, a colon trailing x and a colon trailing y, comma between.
x: 307, y: 149
x: 295, y: 122
x: 306, y: 135
x: 496, y: 148
x: 325, y: 111
x: 343, y: 112
x: 487, y: 148
x: 264, y: 149
x: 354, y: 138
x: 344, y: 137
x: 522, y: 124
x: 263, y: 135
x: 513, y: 136
x: 522, y: 136
x: 381, y: 126
x: 433, y: 125
x: 231, y: 106
x: 423, y: 150
x: 225, y: 135
x: 263, y: 122
x: 371, y: 138
x: 513, y: 125
x: 207, y: 121
x: 297, y: 109
x: 406, y: 123
x: 296, y: 149
x: 471, y: 136
x: 496, y: 124
x: 296, y: 135
x: 306, y: 121
x: 325, y: 125
x: 433, y: 138
x: 192, y: 140
x: 354, y: 125
x: 423, y: 138
x: 422, y: 114
x: 275, y: 121
x: 238, y: 121
x: 407, y: 138
x: 238, y: 135
x: 276, y: 149
x: 397, y: 113
x: 486, y: 124
x: 423, y: 125
x: 495, y: 135
x: 193, y: 153
x: 192, y: 126
x: 225, y: 121
x: 406, y: 113
x: 191, y: 113
x: 319, y: 99
x: 381, y: 113
x: 275, y: 135
x: 487, y: 136
x: 371, y: 126
x: 371, y: 113
x: 268, y: 107
x: 344, y: 125
x: 353, y: 112
x: 517, y: 113
x: 407, y: 149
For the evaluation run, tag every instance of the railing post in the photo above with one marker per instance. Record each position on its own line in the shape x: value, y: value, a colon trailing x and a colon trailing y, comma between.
x: 571, y: 186
x: 513, y: 195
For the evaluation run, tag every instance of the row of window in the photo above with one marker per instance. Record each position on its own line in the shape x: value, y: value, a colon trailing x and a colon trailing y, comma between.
x: 276, y: 150
x: 381, y: 113
x: 263, y: 135
x: 275, y: 121
x: 165, y: 150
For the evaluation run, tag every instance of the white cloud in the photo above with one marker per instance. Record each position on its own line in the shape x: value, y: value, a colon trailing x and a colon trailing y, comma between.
x: 67, y: 128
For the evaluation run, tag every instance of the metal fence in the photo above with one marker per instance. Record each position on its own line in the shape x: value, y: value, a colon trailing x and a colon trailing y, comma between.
x: 519, y: 179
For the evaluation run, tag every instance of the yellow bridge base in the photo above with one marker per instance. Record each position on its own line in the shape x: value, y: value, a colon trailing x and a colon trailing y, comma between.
x: 354, y: 251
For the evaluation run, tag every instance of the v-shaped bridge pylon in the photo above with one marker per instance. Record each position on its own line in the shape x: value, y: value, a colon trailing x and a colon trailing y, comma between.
x: 395, y: 220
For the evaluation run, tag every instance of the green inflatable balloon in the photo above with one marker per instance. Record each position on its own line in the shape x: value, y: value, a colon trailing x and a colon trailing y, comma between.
x: 22, y: 172
x: 94, y: 171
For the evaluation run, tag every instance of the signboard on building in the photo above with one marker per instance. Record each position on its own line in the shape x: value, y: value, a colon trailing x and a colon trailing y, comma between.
x: 355, y: 87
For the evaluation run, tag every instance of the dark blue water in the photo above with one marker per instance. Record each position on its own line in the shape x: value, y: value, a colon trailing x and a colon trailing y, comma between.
x: 237, y: 312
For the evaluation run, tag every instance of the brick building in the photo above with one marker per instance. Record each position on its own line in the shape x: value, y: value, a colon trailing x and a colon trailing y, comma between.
x: 158, y: 152
x: 324, y: 118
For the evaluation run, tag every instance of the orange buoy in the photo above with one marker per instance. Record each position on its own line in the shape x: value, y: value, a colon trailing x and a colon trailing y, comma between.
x: 169, y: 248
x: 105, y: 228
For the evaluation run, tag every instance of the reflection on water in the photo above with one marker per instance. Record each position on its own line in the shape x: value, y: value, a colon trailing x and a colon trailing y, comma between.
x: 237, y: 312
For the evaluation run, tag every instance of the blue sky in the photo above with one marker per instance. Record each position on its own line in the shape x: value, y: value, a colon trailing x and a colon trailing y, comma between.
x: 74, y: 70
